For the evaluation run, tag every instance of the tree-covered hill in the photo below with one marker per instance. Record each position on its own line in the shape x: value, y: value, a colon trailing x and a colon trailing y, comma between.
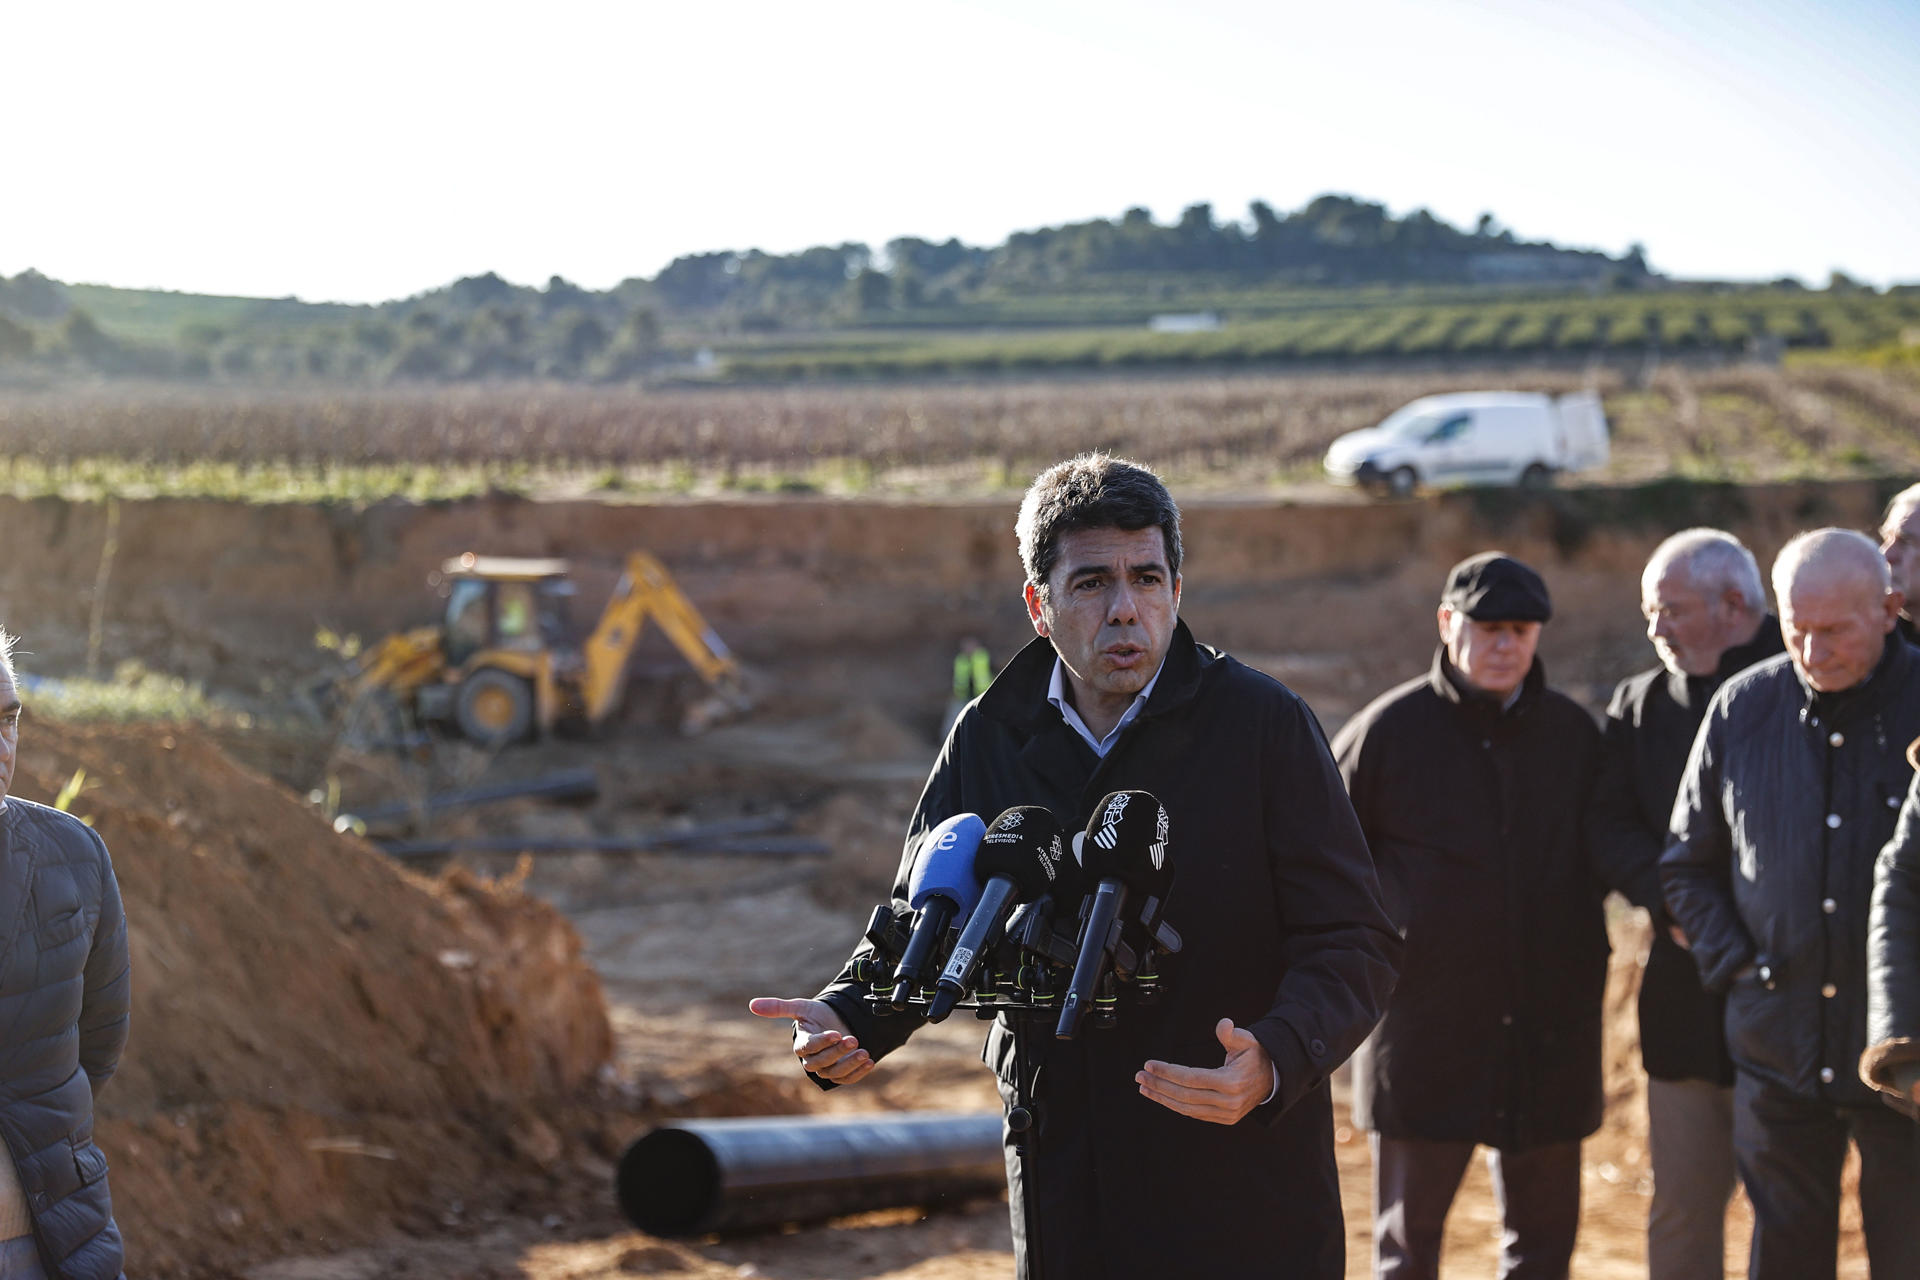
x: 1340, y: 278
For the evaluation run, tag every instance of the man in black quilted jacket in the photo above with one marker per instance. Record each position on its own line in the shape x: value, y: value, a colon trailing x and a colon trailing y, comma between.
x: 1891, y: 1063
x: 1792, y: 789
x: 64, y: 986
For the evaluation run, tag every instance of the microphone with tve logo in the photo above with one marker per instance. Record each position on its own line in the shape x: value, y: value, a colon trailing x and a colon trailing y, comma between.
x: 943, y: 888
x: 1125, y: 848
x: 1019, y: 860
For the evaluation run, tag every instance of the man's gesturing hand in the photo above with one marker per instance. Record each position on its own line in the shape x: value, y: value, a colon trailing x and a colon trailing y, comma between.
x: 1222, y: 1095
x: 820, y: 1039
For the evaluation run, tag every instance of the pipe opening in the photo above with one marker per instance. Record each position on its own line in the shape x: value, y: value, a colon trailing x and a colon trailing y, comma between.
x: 669, y: 1183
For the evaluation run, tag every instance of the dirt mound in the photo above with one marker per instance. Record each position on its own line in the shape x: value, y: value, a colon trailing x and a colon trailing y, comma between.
x: 323, y: 1045
x: 866, y: 733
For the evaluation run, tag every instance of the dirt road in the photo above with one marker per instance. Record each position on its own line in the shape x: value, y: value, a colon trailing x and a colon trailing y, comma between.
x: 681, y: 943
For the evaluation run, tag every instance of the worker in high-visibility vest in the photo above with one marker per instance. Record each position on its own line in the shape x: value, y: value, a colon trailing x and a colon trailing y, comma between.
x: 972, y: 673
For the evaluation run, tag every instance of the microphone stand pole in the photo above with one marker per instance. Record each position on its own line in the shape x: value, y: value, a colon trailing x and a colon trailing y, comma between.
x: 1026, y: 1116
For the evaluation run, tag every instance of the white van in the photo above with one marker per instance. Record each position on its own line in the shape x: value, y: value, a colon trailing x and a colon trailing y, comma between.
x: 1474, y: 437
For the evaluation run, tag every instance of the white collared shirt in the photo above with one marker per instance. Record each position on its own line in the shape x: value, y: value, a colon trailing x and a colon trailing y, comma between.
x: 1057, y: 695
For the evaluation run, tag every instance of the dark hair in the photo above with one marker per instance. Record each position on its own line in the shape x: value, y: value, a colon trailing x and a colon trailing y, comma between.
x: 1092, y: 491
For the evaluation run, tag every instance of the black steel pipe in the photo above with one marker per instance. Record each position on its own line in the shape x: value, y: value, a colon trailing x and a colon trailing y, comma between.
x: 698, y: 1177
x: 744, y: 846
x: 569, y: 785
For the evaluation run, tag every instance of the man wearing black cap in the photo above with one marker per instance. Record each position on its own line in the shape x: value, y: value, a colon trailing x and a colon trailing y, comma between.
x: 1470, y: 784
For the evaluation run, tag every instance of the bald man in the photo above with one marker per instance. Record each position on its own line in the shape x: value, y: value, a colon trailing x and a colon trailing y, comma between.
x: 1900, y: 544
x: 1793, y: 785
x: 1706, y: 609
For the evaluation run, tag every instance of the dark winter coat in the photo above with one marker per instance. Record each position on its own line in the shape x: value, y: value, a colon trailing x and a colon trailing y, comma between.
x: 1788, y: 798
x: 1474, y: 818
x: 64, y: 989
x: 1649, y: 733
x: 1277, y: 903
x: 1893, y: 956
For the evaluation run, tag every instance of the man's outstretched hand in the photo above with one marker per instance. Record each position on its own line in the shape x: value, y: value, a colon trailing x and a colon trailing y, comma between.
x: 1221, y: 1095
x: 820, y: 1039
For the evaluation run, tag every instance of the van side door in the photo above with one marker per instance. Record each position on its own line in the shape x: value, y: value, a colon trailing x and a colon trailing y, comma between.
x: 1488, y: 451
x: 1445, y: 452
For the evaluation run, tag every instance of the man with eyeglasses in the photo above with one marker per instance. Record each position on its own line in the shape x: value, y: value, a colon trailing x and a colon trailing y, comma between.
x: 1900, y: 544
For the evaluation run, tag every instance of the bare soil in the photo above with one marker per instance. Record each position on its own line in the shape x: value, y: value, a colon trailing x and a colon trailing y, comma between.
x: 322, y: 1044
x: 345, y: 1069
x: 402, y: 1080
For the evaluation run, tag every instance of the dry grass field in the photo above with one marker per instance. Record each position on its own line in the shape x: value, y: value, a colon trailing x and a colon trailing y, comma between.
x: 1248, y: 431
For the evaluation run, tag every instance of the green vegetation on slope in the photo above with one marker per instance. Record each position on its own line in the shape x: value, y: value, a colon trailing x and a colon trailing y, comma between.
x: 1338, y: 280
x: 1722, y: 321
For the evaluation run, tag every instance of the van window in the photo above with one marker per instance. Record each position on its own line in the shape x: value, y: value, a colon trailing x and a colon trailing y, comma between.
x: 1408, y: 422
x: 1452, y: 429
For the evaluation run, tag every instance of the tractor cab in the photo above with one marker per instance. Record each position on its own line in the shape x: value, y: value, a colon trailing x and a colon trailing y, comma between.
x: 506, y: 647
x: 501, y: 603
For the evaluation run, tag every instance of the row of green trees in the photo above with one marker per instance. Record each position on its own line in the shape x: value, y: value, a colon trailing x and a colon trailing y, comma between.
x: 1332, y: 241
x: 1758, y: 323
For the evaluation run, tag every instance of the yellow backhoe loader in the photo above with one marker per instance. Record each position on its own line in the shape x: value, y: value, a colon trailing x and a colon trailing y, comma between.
x: 505, y: 663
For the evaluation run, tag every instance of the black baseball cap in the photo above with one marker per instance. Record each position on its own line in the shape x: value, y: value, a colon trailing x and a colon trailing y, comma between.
x: 1494, y: 587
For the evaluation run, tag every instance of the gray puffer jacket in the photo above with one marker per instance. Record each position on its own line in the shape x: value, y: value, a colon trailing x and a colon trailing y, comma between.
x: 1786, y: 802
x: 64, y: 988
x: 1893, y: 958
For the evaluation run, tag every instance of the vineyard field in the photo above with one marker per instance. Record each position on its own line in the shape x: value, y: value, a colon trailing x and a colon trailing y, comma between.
x: 1372, y: 327
x: 1246, y: 432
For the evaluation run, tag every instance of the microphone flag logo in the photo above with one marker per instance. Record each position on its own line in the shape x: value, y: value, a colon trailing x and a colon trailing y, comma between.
x: 1109, y: 835
x: 1158, y: 849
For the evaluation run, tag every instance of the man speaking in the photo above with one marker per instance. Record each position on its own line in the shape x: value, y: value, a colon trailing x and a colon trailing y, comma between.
x: 1195, y: 1136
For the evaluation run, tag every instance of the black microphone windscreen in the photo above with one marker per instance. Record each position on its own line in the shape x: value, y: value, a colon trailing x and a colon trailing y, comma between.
x: 1024, y: 844
x: 1126, y: 840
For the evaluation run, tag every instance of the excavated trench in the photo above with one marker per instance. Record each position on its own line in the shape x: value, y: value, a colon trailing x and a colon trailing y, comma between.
x: 232, y: 593
x: 328, y: 1051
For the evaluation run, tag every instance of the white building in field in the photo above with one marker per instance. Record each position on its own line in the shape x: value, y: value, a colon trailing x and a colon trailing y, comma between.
x: 1185, y: 322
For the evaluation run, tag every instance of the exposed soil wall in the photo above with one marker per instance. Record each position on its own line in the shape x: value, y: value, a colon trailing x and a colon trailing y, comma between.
x: 233, y: 592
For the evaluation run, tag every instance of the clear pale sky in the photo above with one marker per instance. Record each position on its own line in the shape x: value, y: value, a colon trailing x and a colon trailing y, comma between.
x: 363, y: 151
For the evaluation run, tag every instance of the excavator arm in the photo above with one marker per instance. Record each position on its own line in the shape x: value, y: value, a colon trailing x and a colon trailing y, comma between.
x: 647, y: 590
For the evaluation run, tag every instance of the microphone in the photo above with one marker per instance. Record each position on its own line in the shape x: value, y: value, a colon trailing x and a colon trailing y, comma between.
x: 942, y: 888
x: 1125, y: 846
x: 1019, y: 859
